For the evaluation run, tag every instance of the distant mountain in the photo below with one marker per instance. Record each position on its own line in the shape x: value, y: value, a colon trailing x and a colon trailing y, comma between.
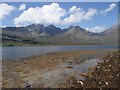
x: 16, y: 32
x: 35, y: 28
x: 110, y: 35
x: 41, y: 30
x: 76, y: 35
x: 73, y: 35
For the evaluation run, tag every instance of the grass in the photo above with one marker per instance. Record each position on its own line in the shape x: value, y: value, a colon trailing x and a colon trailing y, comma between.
x: 8, y: 41
x: 25, y: 44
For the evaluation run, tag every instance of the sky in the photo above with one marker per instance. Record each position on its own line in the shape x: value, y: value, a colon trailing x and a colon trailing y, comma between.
x: 93, y: 16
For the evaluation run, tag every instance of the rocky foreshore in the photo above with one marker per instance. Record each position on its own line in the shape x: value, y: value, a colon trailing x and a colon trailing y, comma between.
x: 105, y: 75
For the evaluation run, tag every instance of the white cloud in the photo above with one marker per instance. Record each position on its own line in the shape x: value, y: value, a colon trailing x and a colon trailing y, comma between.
x: 79, y: 15
x: 5, y: 10
x: 96, y: 29
x: 75, y: 9
x: 107, y: 10
x: 3, y: 26
x: 111, y: 7
x: 54, y: 14
x: 49, y: 14
x: 22, y: 7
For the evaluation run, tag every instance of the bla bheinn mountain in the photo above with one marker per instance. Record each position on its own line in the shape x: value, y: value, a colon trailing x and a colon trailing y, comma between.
x: 73, y: 35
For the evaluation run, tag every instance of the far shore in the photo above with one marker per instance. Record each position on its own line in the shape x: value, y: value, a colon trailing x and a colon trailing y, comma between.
x: 49, y: 44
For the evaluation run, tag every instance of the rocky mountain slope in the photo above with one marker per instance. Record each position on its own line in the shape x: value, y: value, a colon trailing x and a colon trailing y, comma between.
x: 73, y: 35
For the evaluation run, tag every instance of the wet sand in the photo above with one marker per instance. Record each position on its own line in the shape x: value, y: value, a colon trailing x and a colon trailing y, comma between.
x: 52, y: 70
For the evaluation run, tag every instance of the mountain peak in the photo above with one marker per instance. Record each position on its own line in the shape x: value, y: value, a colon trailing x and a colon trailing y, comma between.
x: 35, y: 25
x: 51, y: 25
x: 35, y: 28
x: 75, y: 27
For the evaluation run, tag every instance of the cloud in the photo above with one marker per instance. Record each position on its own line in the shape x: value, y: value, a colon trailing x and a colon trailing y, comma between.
x: 78, y: 15
x: 75, y: 9
x: 96, y: 29
x: 109, y: 9
x: 54, y: 14
x: 47, y: 14
x: 5, y: 10
x: 22, y: 7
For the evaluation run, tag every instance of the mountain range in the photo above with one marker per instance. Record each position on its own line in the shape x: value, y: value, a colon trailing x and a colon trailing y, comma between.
x: 73, y: 35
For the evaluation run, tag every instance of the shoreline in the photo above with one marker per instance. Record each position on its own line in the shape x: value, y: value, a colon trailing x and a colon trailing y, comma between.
x: 59, y: 45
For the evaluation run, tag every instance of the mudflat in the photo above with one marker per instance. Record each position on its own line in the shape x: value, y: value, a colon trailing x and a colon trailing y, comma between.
x: 51, y: 70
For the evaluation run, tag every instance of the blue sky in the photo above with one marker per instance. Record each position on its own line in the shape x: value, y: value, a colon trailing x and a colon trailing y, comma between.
x: 94, y: 16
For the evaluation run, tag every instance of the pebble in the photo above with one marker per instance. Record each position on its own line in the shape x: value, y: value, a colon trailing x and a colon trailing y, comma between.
x: 105, y: 70
x: 69, y: 66
x: 28, y: 85
x: 99, y: 82
x: 110, y: 76
x: 108, y: 69
x: 110, y: 65
x: 118, y: 75
x: 80, y: 83
x: 107, y: 60
x: 106, y: 83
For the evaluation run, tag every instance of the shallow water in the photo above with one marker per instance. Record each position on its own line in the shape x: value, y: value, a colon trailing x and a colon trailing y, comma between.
x: 83, y: 67
x: 61, y: 73
x: 25, y: 51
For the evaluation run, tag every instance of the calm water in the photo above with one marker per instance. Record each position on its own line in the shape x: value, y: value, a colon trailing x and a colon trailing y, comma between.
x: 23, y: 51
